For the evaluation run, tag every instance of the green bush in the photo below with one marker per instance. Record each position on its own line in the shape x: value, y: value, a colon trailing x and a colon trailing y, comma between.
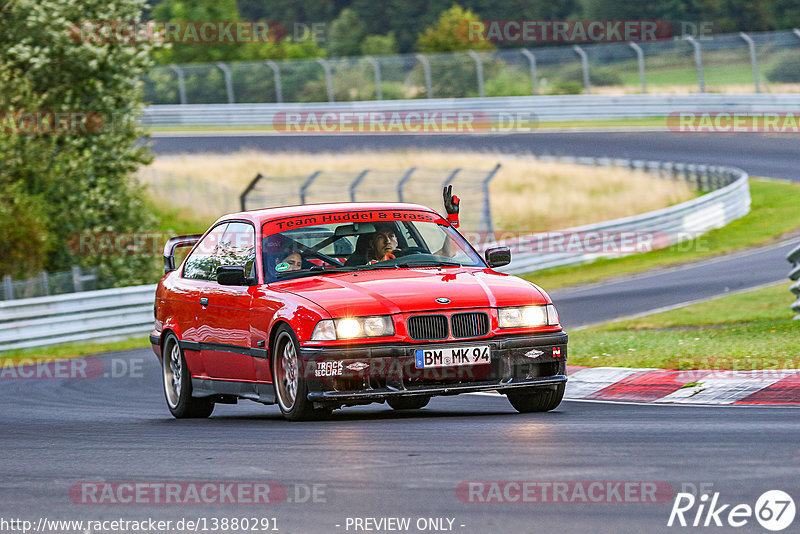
x: 509, y: 83
x: 597, y: 75
x: 563, y: 87
x: 786, y: 69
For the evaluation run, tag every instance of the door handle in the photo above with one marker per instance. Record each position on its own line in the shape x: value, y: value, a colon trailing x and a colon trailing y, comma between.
x: 204, y: 301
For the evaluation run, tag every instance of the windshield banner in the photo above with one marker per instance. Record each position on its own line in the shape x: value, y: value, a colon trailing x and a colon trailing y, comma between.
x: 345, y: 217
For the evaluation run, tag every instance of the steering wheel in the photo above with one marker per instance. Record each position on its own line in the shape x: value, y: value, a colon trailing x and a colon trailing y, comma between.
x: 409, y: 251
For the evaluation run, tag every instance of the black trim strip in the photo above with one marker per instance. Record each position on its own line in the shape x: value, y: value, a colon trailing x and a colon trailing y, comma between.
x: 189, y: 345
x: 224, y: 347
x: 155, y: 340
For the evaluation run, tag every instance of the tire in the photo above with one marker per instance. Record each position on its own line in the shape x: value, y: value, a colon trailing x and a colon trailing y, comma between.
x: 536, y: 399
x: 291, y: 390
x: 178, y: 383
x: 408, y: 403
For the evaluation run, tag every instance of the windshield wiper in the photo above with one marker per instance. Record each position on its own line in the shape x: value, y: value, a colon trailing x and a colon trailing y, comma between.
x: 429, y: 263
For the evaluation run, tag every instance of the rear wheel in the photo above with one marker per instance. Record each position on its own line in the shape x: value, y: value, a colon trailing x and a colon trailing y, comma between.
x: 178, y: 383
x: 408, y: 403
x: 536, y: 399
x: 291, y: 390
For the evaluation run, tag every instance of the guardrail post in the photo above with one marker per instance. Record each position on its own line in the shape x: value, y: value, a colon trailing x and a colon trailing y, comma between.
x: 276, y: 71
x: 77, y: 280
x: 377, y: 68
x: 328, y: 77
x: 752, y: 46
x: 8, y: 287
x: 45, y: 283
x: 794, y: 259
x: 698, y: 61
x: 402, y: 182
x: 532, y: 60
x: 640, y: 60
x: 250, y: 186
x: 181, y: 83
x: 306, y: 185
x: 486, y: 210
x: 585, y: 65
x: 426, y: 67
x: 226, y: 71
x: 355, y: 184
x: 478, y: 71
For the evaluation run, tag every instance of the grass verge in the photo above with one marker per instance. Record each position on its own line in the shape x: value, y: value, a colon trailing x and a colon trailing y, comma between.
x: 773, y: 214
x: 75, y: 350
x: 745, y: 331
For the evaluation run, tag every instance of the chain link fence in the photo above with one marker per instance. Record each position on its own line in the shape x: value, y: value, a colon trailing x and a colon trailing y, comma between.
x: 419, y: 185
x: 760, y: 62
x: 44, y: 284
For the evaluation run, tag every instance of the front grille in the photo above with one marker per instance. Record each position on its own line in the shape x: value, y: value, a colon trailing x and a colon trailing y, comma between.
x: 469, y: 324
x: 427, y: 327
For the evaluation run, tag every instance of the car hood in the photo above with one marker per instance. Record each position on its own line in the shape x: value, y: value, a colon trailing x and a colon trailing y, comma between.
x: 381, y: 292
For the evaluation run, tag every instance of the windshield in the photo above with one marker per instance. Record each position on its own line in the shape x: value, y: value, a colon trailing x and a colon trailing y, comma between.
x: 368, y: 240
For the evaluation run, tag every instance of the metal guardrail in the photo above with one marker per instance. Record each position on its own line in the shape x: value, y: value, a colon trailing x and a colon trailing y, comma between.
x: 728, y: 200
x: 89, y: 315
x: 794, y: 259
x: 111, y: 313
x: 527, y: 110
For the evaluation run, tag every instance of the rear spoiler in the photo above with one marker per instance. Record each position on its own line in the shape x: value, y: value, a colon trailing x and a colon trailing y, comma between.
x: 173, y: 243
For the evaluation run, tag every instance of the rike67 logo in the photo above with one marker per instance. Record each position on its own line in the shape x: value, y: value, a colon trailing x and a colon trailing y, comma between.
x: 774, y: 510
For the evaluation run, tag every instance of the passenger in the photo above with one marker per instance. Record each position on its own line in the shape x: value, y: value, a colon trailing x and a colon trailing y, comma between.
x: 288, y: 261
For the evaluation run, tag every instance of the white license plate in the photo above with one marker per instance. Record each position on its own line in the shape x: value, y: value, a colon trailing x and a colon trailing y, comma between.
x: 450, y: 356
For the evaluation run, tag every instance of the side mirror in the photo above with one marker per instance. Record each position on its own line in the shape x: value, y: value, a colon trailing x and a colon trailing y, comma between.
x: 231, y: 275
x: 497, y: 257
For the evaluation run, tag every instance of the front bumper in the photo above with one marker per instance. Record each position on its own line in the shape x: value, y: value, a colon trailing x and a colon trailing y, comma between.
x: 367, y: 373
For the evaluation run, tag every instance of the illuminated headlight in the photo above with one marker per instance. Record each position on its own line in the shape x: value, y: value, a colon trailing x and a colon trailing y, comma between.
x: 526, y: 316
x: 353, y: 327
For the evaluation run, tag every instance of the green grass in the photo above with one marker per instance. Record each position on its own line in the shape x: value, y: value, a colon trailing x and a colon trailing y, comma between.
x: 76, y: 350
x: 736, y: 74
x: 773, y: 214
x: 752, y: 330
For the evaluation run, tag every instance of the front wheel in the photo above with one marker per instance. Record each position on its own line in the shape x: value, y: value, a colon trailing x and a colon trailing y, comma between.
x: 536, y: 399
x: 291, y: 390
x: 178, y: 383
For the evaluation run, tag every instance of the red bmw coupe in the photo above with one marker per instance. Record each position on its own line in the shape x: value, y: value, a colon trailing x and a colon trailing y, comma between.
x: 322, y: 306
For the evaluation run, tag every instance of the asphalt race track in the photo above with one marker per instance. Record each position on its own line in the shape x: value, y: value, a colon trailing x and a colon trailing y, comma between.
x: 59, y: 437
x: 585, y: 305
x: 373, y: 462
x: 775, y: 155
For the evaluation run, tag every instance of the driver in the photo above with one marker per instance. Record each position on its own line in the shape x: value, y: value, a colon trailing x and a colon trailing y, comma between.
x: 382, y: 244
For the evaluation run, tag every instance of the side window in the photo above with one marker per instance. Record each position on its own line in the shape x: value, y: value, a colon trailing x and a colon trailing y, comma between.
x: 238, y: 247
x: 201, y: 263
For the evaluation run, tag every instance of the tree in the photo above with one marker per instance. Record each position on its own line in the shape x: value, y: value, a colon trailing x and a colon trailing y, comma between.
x: 375, y: 45
x: 197, y: 11
x: 79, y: 177
x: 451, y: 33
x: 346, y: 34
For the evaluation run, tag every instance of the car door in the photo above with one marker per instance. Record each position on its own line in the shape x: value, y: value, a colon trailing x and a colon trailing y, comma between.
x: 224, y: 317
x: 195, y: 277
